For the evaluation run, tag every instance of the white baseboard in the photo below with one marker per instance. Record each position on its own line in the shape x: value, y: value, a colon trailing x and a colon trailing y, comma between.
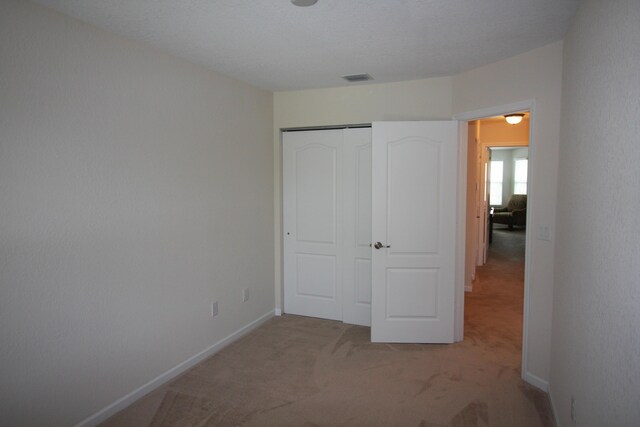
x: 278, y: 312
x: 553, y: 407
x: 136, y: 394
x: 537, y: 382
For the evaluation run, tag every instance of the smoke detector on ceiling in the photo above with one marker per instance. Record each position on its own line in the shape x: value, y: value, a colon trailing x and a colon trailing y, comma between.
x: 353, y: 78
x: 304, y: 3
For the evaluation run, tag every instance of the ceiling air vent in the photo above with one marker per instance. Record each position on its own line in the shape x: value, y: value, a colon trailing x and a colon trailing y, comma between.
x: 357, y: 78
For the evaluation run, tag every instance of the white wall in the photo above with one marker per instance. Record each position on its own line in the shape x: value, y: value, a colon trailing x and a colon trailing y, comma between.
x: 520, y: 153
x: 533, y: 75
x: 135, y: 188
x: 427, y: 99
x: 595, y: 354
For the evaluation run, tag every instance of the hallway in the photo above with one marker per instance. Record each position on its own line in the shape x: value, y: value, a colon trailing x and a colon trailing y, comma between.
x: 493, y: 311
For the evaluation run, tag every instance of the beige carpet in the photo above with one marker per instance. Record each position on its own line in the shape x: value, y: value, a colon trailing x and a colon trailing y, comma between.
x: 299, y: 371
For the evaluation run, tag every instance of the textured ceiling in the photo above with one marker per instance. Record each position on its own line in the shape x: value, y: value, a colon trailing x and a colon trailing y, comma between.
x: 277, y: 46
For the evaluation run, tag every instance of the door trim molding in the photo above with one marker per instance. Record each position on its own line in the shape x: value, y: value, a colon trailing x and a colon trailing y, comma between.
x: 464, y: 118
x: 461, y: 231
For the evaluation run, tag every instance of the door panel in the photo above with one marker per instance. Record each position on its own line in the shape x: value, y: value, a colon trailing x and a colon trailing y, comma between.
x: 316, y: 275
x: 312, y: 223
x: 414, y: 175
x: 483, y: 230
x: 316, y: 173
x: 357, y: 226
x: 412, y: 293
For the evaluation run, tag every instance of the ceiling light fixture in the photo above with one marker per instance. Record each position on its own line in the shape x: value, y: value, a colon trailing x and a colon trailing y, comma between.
x: 304, y: 3
x: 514, y: 119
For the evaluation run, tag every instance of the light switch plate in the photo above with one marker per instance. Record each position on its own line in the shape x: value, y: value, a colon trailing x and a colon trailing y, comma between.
x: 544, y: 233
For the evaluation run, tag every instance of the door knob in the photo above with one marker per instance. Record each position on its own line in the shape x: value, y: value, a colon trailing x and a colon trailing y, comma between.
x: 379, y: 245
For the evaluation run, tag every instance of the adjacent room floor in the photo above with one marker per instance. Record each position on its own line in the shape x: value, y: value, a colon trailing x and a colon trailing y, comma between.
x: 299, y: 371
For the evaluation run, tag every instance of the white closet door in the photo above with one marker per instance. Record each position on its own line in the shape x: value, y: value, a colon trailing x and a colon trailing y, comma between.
x: 357, y: 227
x: 312, y: 187
x: 413, y: 221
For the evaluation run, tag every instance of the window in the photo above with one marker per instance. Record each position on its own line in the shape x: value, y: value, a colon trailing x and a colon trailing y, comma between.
x: 520, y: 177
x: 495, y: 189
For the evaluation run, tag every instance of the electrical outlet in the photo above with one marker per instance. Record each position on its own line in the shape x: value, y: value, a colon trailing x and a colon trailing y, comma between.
x: 573, y: 409
x: 245, y: 295
x: 214, y: 309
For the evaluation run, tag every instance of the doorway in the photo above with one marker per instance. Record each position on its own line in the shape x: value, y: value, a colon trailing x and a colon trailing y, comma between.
x: 495, y: 295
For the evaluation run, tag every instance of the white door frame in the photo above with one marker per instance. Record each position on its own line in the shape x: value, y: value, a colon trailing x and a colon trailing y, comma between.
x: 464, y: 118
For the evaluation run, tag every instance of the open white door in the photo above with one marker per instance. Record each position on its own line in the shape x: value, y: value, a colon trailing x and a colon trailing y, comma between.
x: 484, y: 230
x: 414, y: 173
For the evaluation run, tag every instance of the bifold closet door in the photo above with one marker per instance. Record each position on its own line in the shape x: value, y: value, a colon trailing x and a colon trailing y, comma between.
x: 338, y: 189
x: 357, y: 227
x: 327, y: 224
x: 312, y: 224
